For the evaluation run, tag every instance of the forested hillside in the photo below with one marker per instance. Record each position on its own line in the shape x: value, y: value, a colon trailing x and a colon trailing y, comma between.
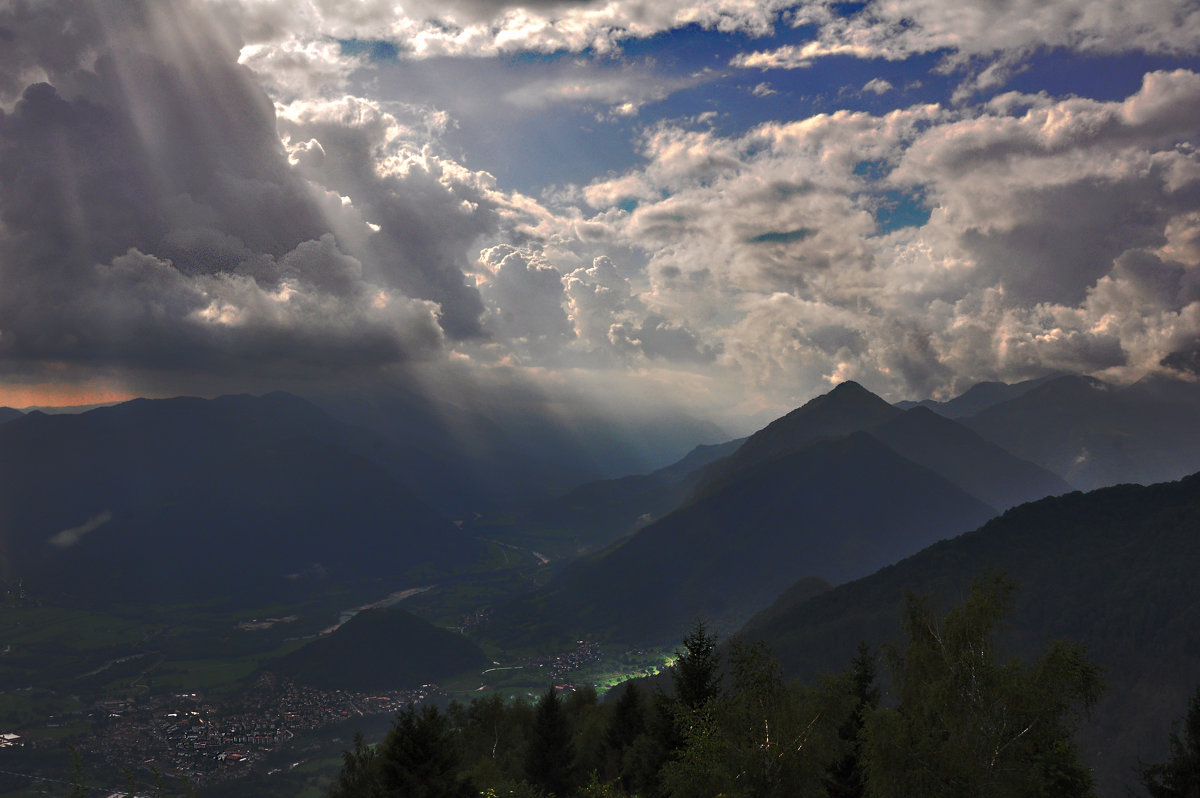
x: 962, y: 718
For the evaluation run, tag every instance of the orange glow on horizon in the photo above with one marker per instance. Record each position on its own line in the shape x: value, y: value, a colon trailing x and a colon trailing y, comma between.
x: 60, y: 395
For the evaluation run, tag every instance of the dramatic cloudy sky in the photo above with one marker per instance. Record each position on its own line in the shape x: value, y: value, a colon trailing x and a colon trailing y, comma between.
x: 732, y: 204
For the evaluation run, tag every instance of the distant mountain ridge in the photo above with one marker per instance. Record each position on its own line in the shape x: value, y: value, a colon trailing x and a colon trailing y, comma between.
x: 979, y: 397
x: 1086, y: 431
x: 949, y: 449
x: 175, y: 499
x: 464, y: 460
x: 1094, y: 434
x: 595, y: 514
x: 847, y: 408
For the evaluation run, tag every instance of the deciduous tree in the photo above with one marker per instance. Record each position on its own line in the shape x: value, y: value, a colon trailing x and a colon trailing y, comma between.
x: 1179, y: 776
x: 971, y: 724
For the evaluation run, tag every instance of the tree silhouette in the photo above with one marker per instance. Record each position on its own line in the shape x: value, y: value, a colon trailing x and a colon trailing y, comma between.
x: 970, y: 724
x: 551, y: 750
x: 695, y: 671
x: 1179, y: 776
x: 846, y: 778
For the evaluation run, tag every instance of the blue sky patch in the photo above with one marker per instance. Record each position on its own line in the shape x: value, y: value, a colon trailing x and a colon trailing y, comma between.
x: 782, y: 238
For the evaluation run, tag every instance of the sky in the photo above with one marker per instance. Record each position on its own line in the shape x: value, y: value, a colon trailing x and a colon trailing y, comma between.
x: 727, y: 206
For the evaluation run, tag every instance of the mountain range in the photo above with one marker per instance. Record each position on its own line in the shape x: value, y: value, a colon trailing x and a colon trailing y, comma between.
x: 1094, y: 434
x: 839, y: 487
x: 184, y: 499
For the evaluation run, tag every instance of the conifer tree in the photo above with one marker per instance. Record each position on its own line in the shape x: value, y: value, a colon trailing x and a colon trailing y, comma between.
x: 358, y: 771
x: 628, y: 718
x: 551, y: 750
x: 846, y: 778
x: 695, y: 671
x: 417, y: 759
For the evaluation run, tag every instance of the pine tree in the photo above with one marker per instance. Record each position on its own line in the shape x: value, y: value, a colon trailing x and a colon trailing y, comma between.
x: 695, y: 671
x: 419, y: 759
x: 551, y: 750
x: 846, y: 778
x: 628, y: 719
x: 358, y: 771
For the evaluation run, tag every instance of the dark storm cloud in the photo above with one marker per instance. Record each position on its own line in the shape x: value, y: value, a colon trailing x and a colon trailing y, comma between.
x: 428, y: 212
x: 1185, y: 360
x: 658, y: 337
x: 151, y: 218
x: 1067, y: 238
x: 526, y: 296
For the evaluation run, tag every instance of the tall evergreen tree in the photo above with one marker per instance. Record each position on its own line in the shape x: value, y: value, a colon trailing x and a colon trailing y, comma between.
x: 628, y: 718
x: 551, y: 749
x: 695, y: 671
x: 626, y: 722
x: 846, y: 778
x: 1179, y: 776
x: 417, y: 759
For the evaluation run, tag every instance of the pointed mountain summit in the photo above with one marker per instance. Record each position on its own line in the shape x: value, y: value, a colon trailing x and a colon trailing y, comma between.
x: 848, y: 408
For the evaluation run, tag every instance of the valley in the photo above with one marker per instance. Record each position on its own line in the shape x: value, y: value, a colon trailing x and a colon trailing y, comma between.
x: 351, y: 597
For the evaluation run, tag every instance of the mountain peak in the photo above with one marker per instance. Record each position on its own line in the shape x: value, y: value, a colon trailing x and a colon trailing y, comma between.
x: 849, y: 386
x: 846, y: 409
x: 844, y: 396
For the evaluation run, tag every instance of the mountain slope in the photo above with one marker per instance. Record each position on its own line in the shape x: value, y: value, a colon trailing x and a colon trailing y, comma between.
x: 1113, y: 569
x: 977, y: 466
x: 179, y: 499
x: 9, y: 414
x: 473, y: 459
x: 836, y: 509
x: 595, y: 514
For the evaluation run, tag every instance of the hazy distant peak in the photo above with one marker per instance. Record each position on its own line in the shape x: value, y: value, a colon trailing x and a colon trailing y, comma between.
x: 981, y: 396
x: 923, y: 412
